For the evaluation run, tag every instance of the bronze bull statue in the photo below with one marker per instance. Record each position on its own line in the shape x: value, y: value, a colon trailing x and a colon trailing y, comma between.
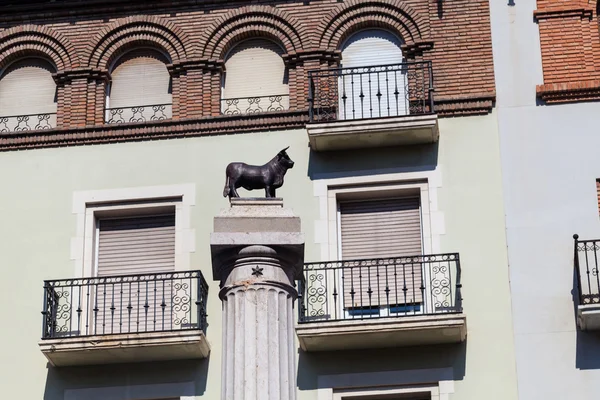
x: 268, y: 176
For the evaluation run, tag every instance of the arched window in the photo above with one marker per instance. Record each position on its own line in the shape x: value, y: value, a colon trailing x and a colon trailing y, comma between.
x: 373, y: 81
x: 140, y: 88
x: 27, y: 96
x: 255, y: 79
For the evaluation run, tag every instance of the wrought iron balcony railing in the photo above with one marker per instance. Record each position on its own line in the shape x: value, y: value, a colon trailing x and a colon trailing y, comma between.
x: 379, y: 91
x: 587, y: 254
x: 380, y: 287
x: 30, y: 122
x: 255, y: 104
x: 151, y: 112
x: 109, y: 305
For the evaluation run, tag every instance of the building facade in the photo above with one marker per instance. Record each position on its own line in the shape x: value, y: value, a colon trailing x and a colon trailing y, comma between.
x: 117, y: 121
x: 546, y: 56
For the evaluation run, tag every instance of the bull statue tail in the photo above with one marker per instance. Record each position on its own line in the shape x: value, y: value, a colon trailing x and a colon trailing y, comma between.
x: 227, y: 189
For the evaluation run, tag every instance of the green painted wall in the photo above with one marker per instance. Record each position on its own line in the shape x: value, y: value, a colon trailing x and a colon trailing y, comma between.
x: 36, y: 205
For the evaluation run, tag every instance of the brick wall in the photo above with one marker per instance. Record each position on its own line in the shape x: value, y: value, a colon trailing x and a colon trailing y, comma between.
x: 82, y: 41
x: 570, y: 45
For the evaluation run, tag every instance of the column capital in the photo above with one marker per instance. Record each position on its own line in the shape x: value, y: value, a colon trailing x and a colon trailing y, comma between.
x: 183, y: 66
x: 92, y: 74
x: 299, y: 57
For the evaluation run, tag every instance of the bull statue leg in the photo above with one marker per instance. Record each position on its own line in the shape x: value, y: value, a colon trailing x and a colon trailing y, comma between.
x: 268, y: 191
x: 271, y: 191
x: 229, y: 189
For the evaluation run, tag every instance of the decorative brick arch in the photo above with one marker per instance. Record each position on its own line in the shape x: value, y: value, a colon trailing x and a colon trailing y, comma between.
x: 354, y: 15
x: 131, y: 32
x: 35, y: 40
x: 248, y: 22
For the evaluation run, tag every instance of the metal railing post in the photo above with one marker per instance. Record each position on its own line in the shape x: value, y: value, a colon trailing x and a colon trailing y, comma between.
x: 431, y: 88
x: 577, y: 269
x: 310, y: 96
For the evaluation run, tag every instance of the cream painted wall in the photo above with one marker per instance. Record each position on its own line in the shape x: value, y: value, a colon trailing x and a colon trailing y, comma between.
x: 36, y: 206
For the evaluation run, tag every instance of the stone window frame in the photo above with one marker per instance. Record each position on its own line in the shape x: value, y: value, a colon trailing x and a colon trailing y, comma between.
x: 438, y: 383
x: 328, y: 192
x: 88, y: 206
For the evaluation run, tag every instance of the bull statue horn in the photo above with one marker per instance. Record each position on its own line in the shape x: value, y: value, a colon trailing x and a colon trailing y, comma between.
x: 284, y: 149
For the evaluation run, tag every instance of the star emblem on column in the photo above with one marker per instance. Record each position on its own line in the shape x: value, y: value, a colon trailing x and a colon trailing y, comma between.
x: 257, y: 271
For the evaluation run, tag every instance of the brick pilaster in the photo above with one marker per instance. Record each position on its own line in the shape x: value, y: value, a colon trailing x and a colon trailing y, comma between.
x: 81, y: 97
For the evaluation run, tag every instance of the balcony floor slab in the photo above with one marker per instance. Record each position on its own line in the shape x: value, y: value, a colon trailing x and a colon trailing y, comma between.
x: 588, y: 317
x: 375, y: 132
x: 382, y: 332
x: 125, y: 348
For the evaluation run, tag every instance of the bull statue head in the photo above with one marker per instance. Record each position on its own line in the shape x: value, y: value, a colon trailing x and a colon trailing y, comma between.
x: 268, y: 176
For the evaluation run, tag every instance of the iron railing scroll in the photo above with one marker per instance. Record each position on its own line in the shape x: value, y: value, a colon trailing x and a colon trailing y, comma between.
x: 255, y: 104
x: 30, y: 122
x: 380, y: 288
x: 586, y: 262
x: 158, y: 302
x: 142, y: 113
x: 379, y: 91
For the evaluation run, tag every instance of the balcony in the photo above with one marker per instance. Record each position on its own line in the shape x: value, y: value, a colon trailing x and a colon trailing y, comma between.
x: 145, y: 113
x: 255, y: 105
x: 129, y: 318
x: 30, y: 122
x: 385, y: 105
x: 384, y: 302
x: 587, y: 258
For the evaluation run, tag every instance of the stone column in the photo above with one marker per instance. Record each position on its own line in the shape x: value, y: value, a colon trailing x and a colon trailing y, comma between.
x: 257, y: 253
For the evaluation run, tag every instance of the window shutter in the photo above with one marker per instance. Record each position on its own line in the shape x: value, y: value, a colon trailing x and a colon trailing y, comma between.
x: 360, y: 87
x: 27, y: 87
x: 127, y: 246
x: 384, y: 228
x: 140, y: 78
x: 255, y: 68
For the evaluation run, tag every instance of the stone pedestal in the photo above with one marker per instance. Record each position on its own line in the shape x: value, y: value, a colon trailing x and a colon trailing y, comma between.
x: 257, y: 254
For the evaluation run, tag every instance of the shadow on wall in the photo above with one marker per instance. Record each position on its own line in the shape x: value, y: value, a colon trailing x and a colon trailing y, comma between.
x: 170, y: 379
x: 311, y: 365
x: 340, y: 164
x: 587, y: 351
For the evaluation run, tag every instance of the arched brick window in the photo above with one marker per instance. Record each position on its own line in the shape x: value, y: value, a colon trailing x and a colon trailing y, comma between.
x: 373, y: 82
x: 255, y: 79
x: 27, y: 96
x: 140, y: 88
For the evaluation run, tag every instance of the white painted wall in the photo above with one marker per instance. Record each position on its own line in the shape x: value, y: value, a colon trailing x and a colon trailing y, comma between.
x: 549, y: 165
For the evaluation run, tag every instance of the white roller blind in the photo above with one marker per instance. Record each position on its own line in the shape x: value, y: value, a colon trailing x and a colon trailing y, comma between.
x: 375, y: 92
x: 128, y: 246
x: 254, y: 70
x: 380, y: 229
x: 27, y: 87
x: 140, y: 78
